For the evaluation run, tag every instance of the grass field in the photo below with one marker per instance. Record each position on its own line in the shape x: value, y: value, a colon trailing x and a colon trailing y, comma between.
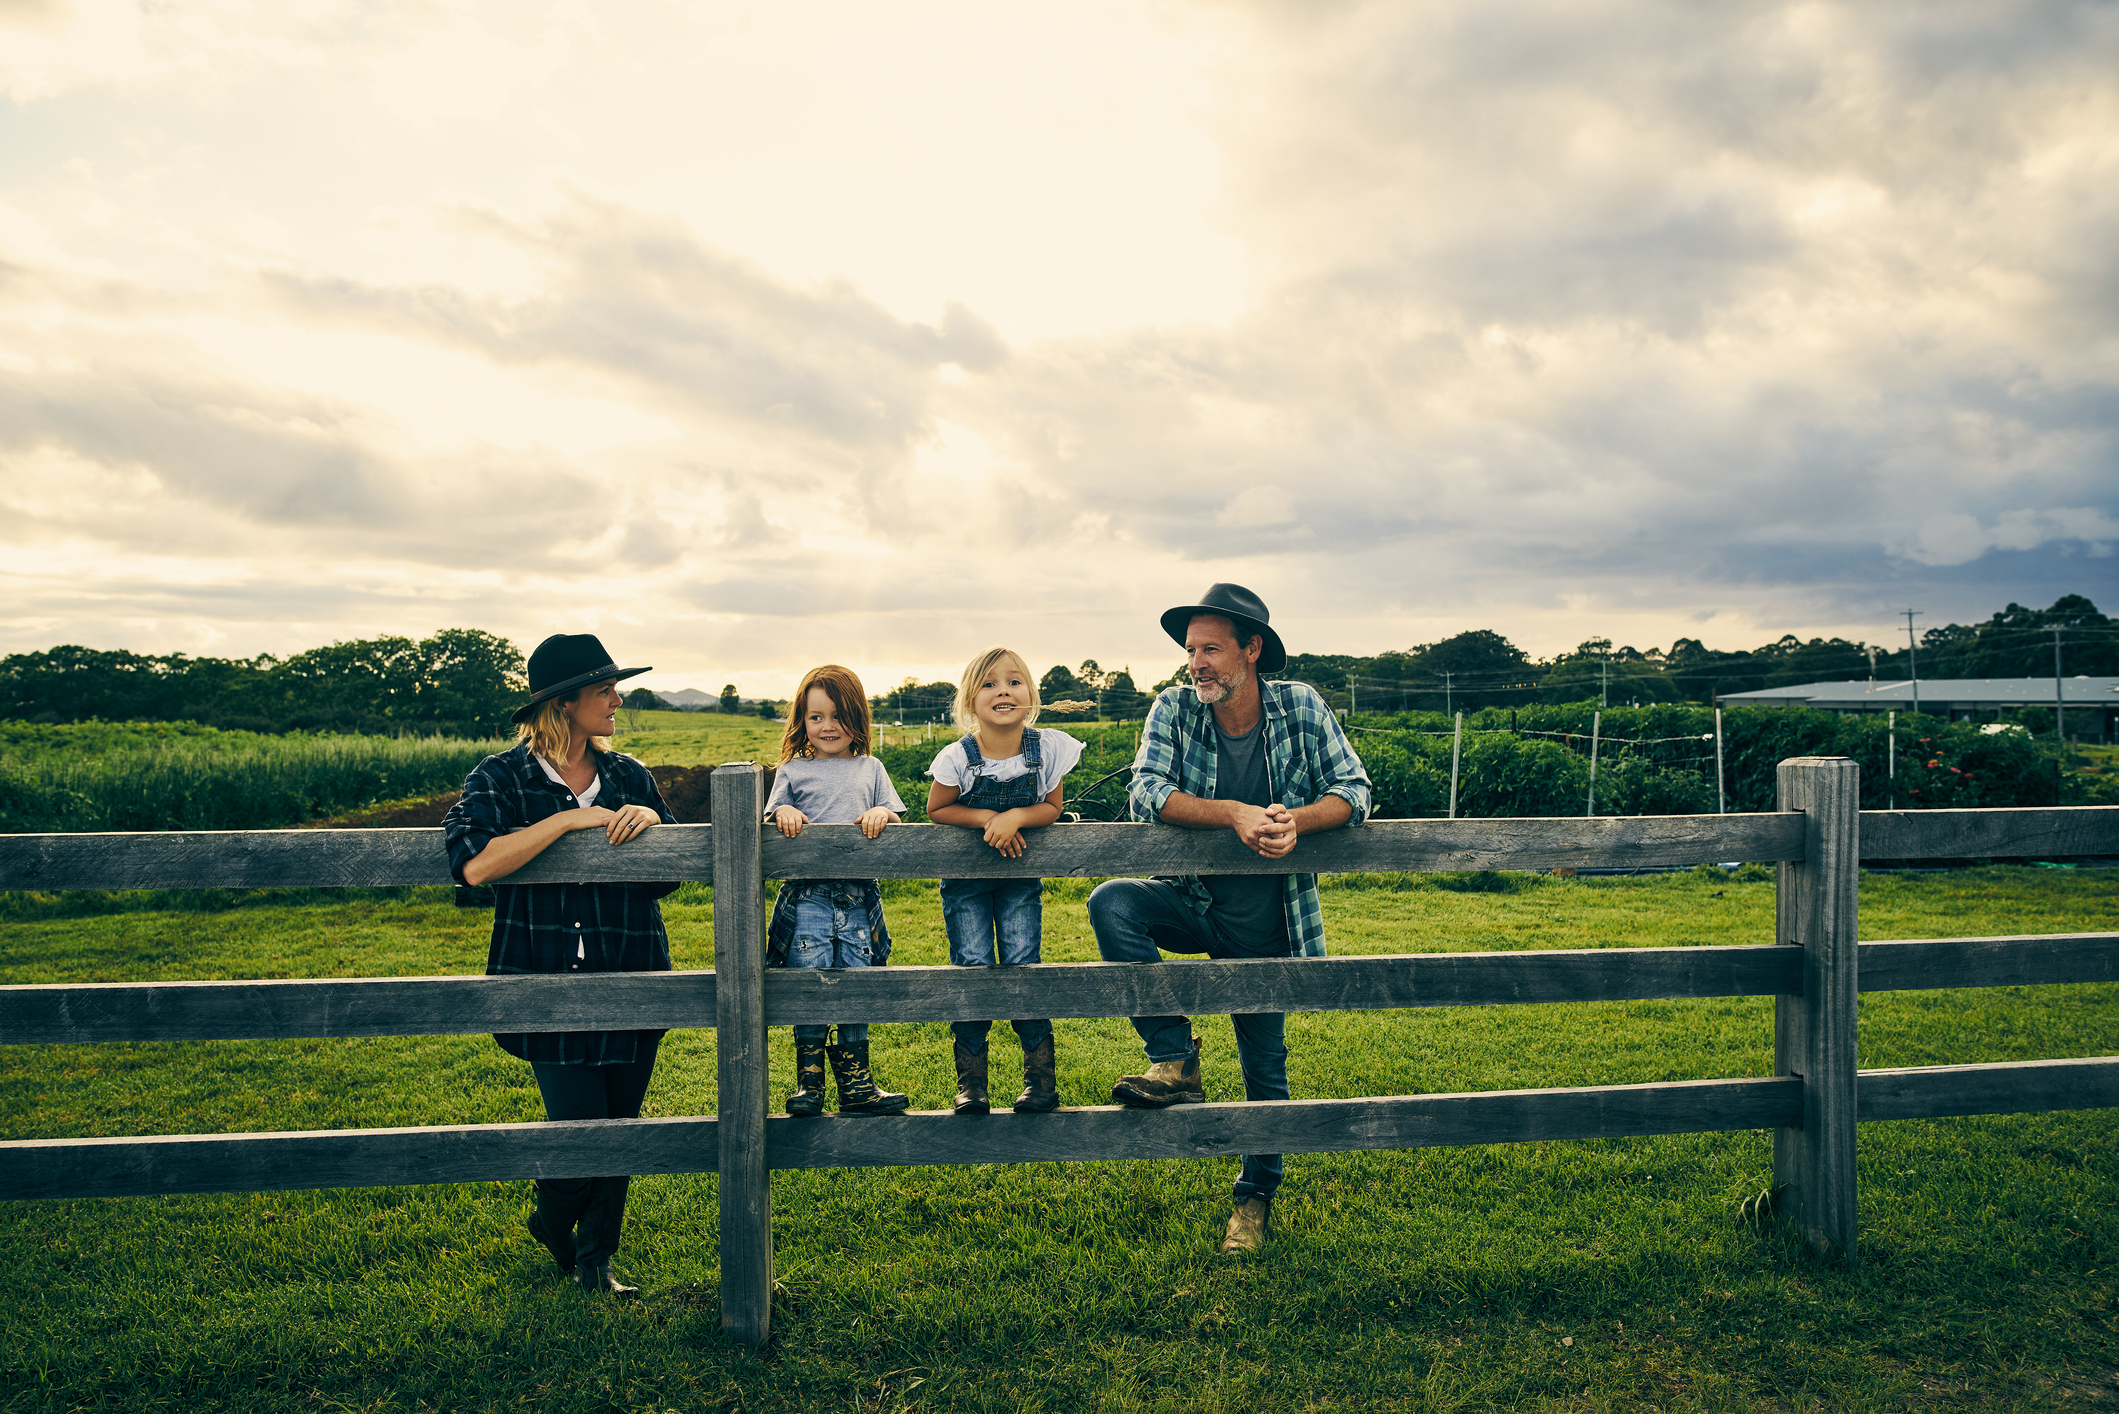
x: 1556, y: 1276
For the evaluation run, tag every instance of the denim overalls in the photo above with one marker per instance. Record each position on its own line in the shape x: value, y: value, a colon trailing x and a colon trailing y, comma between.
x: 985, y: 916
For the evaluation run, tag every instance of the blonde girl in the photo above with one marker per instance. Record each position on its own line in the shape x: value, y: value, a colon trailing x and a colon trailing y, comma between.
x: 827, y: 777
x: 1004, y: 777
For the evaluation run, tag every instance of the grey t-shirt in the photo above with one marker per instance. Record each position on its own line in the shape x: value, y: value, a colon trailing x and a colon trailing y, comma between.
x: 834, y: 790
x: 1248, y: 910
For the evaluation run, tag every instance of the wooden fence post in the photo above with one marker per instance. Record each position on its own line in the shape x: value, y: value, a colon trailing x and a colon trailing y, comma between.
x: 740, y: 1054
x: 1814, y: 1033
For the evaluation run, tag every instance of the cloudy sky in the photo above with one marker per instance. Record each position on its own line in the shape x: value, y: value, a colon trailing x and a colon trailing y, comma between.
x: 756, y: 336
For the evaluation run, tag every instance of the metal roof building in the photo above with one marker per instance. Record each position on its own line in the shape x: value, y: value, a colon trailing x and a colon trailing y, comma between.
x: 1958, y: 699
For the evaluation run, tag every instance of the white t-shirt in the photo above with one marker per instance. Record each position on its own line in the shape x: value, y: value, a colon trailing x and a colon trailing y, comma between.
x: 583, y: 798
x: 1059, y: 753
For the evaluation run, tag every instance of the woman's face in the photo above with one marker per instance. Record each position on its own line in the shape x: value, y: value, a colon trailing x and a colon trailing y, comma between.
x: 595, y: 712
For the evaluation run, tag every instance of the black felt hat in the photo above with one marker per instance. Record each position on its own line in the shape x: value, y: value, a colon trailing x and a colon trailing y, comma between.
x: 1247, y: 610
x: 566, y: 661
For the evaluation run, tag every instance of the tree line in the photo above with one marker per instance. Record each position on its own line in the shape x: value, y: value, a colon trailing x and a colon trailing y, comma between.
x: 466, y: 682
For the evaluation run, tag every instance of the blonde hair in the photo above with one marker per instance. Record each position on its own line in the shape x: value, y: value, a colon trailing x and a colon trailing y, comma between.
x: 846, y: 694
x: 967, y: 692
x: 548, y: 731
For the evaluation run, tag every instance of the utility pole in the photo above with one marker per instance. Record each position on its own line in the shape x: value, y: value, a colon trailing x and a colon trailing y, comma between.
x: 1870, y: 649
x: 1353, y: 699
x: 1913, y: 656
x: 2059, y: 703
x: 1449, y: 700
x: 1604, y: 698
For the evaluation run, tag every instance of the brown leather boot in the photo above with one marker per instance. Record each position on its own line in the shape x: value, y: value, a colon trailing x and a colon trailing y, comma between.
x: 807, y: 1098
x: 1040, y: 1081
x: 1248, y: 1226
x: 1166, y: 1083
x: 971, y: 1096
x: 858, y: 1092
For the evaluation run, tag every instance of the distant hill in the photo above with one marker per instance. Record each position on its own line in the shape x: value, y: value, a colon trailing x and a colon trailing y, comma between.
x: 690, y: 697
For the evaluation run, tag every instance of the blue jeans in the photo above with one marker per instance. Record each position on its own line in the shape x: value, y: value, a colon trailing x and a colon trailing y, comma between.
x: 831, y: 932
x: 988, y: 916
x: 1137, y: 920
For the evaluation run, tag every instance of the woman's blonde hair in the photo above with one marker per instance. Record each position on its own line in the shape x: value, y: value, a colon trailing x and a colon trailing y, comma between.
x: 548, y: 731
x: 967, y: 691
x: 846, y: 694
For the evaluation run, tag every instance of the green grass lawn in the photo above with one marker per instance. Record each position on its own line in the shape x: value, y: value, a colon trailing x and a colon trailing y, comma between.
x: 1554, y: 1276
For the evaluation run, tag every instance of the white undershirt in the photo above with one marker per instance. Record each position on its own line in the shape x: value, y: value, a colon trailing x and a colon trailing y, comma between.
x: 585, y: 797
x: 582, y: 798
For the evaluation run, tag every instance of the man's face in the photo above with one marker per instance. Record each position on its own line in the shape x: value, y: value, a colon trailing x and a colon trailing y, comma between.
x: 1220, y: 668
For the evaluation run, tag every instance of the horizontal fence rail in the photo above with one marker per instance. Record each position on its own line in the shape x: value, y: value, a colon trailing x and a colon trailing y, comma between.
x: 259, y: 859
x: 458, y: 1006
x: 360, y: 1158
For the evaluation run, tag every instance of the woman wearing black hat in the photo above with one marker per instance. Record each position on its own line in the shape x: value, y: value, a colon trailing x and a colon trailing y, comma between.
x: 563, y: 776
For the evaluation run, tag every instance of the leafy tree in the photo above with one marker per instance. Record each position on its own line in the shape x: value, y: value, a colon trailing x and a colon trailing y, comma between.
x: 640, y: 699
x: 731, y: 701
x: 1059, y: 685
x: 769, y: 709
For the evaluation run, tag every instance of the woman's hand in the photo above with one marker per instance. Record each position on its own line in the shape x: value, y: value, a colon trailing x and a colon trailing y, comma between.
x: 1005, y: 833
x: 629, y: 822
x: 789, y: 821
x: 873, y: 821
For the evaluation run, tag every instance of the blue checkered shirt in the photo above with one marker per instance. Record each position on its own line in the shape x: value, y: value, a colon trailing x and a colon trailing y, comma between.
x: 562, y: 927
x: 1308, y: 757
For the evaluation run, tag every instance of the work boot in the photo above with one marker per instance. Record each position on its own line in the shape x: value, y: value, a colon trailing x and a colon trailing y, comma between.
x: 971, y: 1096
x: 1166, y: 1083
x: 598, y: 1277
x: 858, y: 1092
x: 807, y: 1098
x: 1040, y: 1081
x: 551, y: 1222
x: 1248, y: 1226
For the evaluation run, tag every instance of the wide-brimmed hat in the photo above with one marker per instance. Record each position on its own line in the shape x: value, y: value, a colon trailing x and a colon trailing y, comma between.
x: 566, y: 661
x: 1239, y: 604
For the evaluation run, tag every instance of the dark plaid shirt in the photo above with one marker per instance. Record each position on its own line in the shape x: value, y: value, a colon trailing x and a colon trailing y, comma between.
x: 562, y: 927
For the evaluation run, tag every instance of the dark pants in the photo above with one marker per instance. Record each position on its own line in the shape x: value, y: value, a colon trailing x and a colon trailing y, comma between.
x: 592, y: 1092
x: 1133, y: 918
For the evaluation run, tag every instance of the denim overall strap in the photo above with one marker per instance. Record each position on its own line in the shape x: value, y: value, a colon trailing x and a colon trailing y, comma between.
x: 986, y: 793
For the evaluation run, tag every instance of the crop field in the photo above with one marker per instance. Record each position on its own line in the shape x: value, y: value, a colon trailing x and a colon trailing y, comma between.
x: 1577, y: 1276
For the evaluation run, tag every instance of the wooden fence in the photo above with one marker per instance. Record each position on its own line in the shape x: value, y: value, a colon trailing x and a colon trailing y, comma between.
x: 1814, y: 968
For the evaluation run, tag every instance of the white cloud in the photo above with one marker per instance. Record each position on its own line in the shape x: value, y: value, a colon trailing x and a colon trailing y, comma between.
x: 778, y: 334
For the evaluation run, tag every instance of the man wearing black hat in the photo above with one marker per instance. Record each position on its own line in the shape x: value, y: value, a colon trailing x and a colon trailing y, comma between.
x: 1270, y: 761
x: 563, y: 776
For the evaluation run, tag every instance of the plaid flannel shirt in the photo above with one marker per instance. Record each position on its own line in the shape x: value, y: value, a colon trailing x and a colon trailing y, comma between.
x: 1308, y: 757
x: 561, y: 927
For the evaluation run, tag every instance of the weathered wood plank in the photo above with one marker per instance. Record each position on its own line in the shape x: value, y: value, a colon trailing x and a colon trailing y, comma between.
x: 1983, y: 834
x: 1285, y: 1126
x: 353, y: 1006
x: 1078, y: 989
x: 740, y: 1058
x: 271, y: 859
x: 2033, y: 960
x: 352, y: 1158
x: 1106, y: 850
x: 2009, y: 1087
x: 1814, y: 1033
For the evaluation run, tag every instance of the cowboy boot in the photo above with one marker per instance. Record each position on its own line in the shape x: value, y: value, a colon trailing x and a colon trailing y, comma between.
x: 1040, y: 1081
x: 597, y: 1241
x: 971, y: 1096
x: 858, y: 1092
x: 1248, y: 1226
x: 807, y: 1098
x: 1166, y: 1083
x: 551, y: 1222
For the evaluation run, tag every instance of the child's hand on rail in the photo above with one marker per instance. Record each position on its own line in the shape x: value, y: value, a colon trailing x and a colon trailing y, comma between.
x: 789, y: 821
x: 873, y: 821
x: 1005, y: 833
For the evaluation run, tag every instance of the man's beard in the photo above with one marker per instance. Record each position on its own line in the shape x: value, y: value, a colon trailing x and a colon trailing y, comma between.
x: 1219, y: 688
